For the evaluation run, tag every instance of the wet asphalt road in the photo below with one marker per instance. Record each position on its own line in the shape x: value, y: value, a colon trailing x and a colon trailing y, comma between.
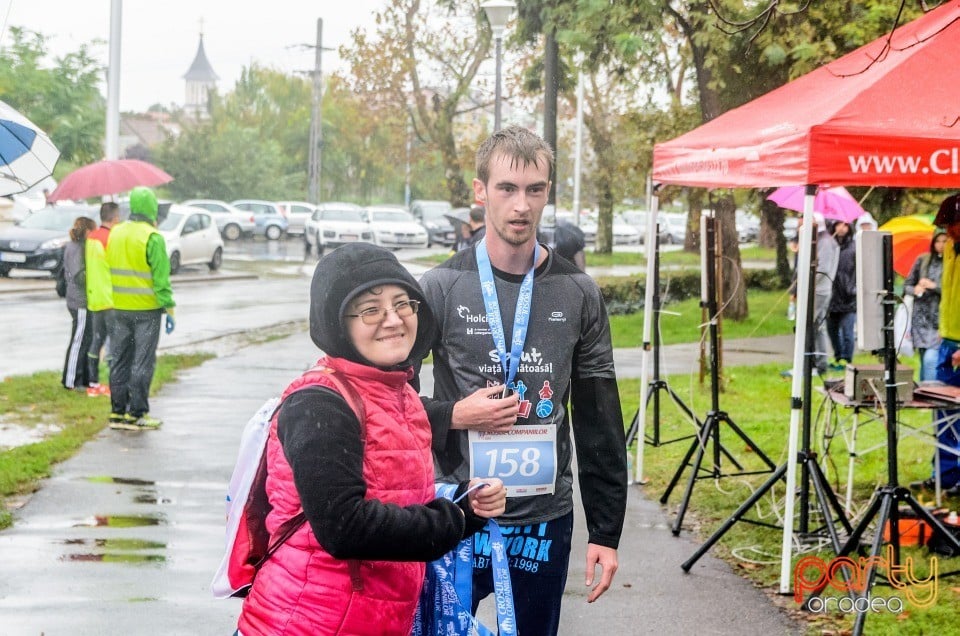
x: 125, y: 536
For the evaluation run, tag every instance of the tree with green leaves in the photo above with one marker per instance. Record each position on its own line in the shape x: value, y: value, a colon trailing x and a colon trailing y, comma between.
x: 60, y: 95
x: 422, y: 59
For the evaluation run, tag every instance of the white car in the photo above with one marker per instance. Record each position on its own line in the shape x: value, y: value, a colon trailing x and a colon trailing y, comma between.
x: 192, y: 237
x: 623, y: 232
x: 393, y: 226
x: 233, y: 223
x: 335, y: 224
x: 297, y: 214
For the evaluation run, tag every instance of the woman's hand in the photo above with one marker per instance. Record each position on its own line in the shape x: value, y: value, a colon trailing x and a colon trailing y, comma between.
x: 489, y: 501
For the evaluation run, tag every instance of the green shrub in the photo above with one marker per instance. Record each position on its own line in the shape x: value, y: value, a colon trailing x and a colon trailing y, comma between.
x: 625, y: 294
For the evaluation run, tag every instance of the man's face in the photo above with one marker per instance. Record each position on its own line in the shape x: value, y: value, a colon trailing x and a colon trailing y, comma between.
x: 514, y: 196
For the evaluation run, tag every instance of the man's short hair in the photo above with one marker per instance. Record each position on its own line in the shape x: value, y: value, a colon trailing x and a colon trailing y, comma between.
x: 517, y: 143
x: 477, y: 214
x: 109, y: 212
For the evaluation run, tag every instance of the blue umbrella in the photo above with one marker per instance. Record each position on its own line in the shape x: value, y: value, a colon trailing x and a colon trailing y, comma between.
x: 27, y: 156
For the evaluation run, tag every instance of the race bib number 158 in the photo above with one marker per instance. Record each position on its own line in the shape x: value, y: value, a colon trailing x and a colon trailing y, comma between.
x: 524, y: 458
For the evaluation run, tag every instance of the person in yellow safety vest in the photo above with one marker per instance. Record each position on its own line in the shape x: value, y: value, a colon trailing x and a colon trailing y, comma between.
x: 140, y: 274
x: 99, y: 295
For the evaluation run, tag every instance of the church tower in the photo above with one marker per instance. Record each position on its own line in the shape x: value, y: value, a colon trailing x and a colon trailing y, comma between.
x: 201, y: 79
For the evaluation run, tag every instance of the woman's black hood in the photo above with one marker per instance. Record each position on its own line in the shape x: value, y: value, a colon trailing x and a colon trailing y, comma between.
x: 343, y: 274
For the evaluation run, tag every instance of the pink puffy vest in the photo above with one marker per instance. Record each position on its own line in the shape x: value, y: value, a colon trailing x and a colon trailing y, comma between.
x: 302, y: 589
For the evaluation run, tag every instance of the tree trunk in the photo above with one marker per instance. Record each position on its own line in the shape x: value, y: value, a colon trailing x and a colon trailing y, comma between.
x: 606, y: 172
x: 460, y: 195
x: 695, y: 202
x: 771, y: 235
x: 734, y: 293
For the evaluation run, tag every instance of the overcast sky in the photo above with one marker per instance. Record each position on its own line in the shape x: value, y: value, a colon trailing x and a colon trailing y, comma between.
x: 159, y: 38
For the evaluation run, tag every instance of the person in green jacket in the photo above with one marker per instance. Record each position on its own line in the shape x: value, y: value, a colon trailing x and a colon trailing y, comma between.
x: 99, y: 295
x: 140, y: 277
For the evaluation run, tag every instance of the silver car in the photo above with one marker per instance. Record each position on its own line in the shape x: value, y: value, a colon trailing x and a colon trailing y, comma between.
x: 231, y: 222
x: 297, y: 214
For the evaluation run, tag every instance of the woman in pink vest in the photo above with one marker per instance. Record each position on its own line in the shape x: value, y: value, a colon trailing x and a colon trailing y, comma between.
x: 367, y: 489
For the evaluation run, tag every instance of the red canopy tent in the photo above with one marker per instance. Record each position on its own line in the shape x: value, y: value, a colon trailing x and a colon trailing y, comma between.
x: 887, y: 114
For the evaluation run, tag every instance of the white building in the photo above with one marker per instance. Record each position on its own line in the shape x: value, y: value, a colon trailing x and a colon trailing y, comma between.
x: 200, y: 79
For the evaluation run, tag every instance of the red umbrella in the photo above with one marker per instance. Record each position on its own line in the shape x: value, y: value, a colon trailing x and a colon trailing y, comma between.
x: 110, y: 176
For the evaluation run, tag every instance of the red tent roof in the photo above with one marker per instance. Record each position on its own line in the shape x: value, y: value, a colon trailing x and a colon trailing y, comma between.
x: 885, y: 114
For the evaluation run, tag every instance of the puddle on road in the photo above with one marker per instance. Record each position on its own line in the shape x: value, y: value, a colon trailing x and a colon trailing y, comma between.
x: 117, y: 550
x: 113, y: 557
x: 120, y: 521
x: 117, y: 544
x: 14, y: 435
x: 126, y: 481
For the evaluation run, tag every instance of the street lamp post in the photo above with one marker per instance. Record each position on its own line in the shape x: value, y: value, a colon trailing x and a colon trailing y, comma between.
x: 498, y: 12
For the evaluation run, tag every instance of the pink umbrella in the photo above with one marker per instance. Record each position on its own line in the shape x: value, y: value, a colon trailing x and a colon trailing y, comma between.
x: 108, y: 177
x: 833, y: 203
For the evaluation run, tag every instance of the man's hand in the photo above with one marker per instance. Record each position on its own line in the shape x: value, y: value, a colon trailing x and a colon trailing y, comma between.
x: 955, y: 359
x: 489, y: 501
x: 606, y: 558
x: 171, y: 323
x: 484, y: 410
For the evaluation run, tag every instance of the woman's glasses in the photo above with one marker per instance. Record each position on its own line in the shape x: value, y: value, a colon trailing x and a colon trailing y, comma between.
x: 376, y: 315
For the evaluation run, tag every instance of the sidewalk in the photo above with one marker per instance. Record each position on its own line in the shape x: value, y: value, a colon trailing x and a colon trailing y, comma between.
x: 126, y: 535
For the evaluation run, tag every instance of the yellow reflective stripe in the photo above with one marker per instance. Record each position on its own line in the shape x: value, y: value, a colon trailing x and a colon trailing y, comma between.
x: 131, y: 272
x: 141, y: 291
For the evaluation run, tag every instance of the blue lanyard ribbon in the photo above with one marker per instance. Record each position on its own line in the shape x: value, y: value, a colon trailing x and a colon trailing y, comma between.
x: 447, y: 609
x: 491, y: 304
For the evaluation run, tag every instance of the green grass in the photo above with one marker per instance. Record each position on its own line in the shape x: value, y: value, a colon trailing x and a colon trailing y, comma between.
x: 679, y: 322
x: 754, y: 551
x: 38, y: 400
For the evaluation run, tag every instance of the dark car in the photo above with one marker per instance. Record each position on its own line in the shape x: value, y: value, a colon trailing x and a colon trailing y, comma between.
x: 37, y: 241
x: 432, y: 214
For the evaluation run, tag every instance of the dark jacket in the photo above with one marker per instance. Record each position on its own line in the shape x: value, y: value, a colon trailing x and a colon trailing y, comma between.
x: 844, y: 298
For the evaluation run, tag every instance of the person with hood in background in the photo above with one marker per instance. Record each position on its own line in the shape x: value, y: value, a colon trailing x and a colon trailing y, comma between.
x: 827, y: 255
x: 866, y: 222
x: 74, y: 273
x: 366, y: 489
x: 140, y: 276
x: 842, y: 315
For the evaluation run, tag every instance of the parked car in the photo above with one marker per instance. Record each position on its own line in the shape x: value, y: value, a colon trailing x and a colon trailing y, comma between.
x: 297, y: 213
x: 393, y: 226
x: 748, y: 226
x: 673, y: 228
x: 431, y: 215
x: 232, y: 222
x: 192, y: 237
x: 336, y: 223
x: 623, y: 232
x: 36, y: 242
x: 791, y: 226
x: 587, y: 224
x: 268, y: 217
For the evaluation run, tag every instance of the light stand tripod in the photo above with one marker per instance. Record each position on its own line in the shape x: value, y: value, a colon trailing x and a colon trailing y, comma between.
x: 657, y: 384
x: 811, y: 471
x: 883, y: 508
x: 710, y: 428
